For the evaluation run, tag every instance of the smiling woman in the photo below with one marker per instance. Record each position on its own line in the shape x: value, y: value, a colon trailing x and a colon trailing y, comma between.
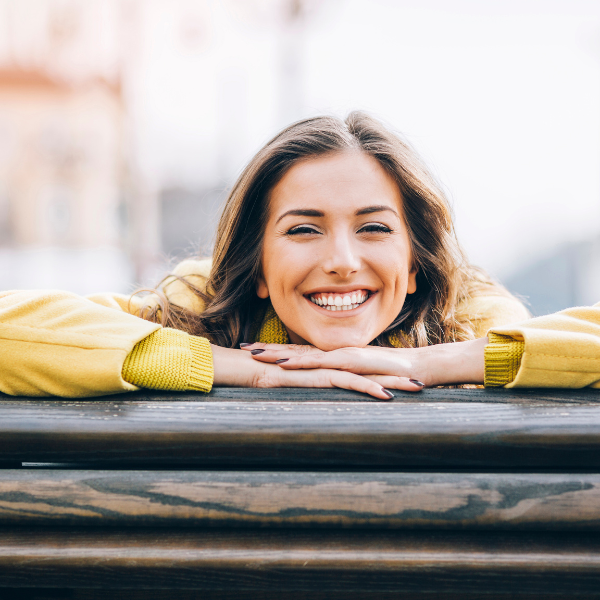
x: 335, y: 238
x: 338, y: 266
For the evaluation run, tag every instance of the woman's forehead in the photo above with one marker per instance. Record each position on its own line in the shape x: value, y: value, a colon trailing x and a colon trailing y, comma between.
x: 340, y: 181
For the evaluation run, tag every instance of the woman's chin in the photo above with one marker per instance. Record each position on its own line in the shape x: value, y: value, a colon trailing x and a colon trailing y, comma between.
x: 327, y: 344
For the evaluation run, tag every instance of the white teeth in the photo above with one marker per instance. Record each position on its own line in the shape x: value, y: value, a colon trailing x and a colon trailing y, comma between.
x: 333, y: 303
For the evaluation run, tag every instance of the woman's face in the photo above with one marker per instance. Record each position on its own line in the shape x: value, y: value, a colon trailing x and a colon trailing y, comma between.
x: 336, y: 260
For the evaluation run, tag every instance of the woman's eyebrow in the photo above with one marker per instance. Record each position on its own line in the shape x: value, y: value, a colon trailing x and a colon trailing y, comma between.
x: 376, y: 208
x: 312, y: 212
x: 302, y: 212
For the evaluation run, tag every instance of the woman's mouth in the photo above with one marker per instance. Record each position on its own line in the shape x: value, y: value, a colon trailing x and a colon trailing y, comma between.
x: 335, y: 301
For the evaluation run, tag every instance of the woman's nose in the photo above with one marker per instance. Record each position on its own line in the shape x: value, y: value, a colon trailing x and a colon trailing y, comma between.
x: 342, y: 257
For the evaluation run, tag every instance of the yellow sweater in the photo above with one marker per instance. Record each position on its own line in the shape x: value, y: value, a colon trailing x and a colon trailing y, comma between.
x: 57, y: 343
x: 561, y: 350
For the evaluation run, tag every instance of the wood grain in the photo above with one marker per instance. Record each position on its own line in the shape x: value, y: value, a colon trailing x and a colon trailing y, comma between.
x: 257, y: 434
x: 301, y: 562
x: 480, y: 394
x: 308, y: 531
x: 180, y: 594
x: 301, y: 499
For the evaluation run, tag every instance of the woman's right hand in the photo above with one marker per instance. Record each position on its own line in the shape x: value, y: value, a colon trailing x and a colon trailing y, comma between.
x: 237, y: 368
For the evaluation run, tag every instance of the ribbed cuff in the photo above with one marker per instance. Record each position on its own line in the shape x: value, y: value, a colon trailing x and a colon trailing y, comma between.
x: 169, y: 359
x: 502, y: 359
x: 202, y: 371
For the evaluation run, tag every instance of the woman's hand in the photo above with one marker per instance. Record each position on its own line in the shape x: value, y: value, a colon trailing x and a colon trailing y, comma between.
x: 396, y: 368
x: 241, y: 368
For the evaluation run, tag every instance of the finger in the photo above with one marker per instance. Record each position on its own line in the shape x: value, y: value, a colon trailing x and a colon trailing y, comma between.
x: 390, y: 382
x: 279, y: 352
x: 326, y: 378
x: 357, y: 360
x: 291, y: 349
x: 351, y: 381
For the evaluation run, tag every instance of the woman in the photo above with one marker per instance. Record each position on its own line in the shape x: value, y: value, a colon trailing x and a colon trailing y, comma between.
x: 334, y: 236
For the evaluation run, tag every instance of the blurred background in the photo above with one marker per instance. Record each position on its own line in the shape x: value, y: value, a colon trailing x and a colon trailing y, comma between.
x: 124, y: 122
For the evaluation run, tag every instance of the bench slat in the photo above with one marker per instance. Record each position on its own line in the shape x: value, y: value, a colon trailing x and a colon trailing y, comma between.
x: 250, y: 434
x: 300, y: 499
x: 296, y: 561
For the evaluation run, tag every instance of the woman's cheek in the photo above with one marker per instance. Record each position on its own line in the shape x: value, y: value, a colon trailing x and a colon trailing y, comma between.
x: 289, y: 270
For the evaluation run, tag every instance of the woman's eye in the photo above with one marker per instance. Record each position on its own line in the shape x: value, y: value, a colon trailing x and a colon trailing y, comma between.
x: 375, y: 228
x: 302, y: 229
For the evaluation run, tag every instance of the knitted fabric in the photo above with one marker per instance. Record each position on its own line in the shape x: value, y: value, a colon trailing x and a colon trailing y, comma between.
x: 503, y: 357
x: 273, y: 331
x: 169, y: 359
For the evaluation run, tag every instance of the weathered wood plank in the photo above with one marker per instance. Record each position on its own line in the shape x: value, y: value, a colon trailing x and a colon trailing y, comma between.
x: 370, y: 435
x: 179, y: 594
x: 301, y: 499
x: 236, y: 394
x: 492, y: 395
x: 290, y: 560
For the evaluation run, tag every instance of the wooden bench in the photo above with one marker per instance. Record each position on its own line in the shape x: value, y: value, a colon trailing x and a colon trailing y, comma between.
x: 301, y: 494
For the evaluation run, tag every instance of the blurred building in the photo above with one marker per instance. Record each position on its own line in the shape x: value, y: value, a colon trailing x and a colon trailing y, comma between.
x: 74, y: 208
x: 61, y: 161
x: 122, y: 122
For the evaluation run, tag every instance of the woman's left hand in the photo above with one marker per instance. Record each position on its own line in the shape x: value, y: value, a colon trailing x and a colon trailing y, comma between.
x: 394, y: 368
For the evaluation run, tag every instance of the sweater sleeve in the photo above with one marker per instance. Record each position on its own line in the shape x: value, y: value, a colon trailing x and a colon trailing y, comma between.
x: 169, y: 359
x: 59, y: 344
x: 561, y: 350
x: 55, y: 343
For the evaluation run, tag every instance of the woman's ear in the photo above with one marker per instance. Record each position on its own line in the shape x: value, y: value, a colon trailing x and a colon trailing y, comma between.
x: 412, y: 281
x: 262, y: 291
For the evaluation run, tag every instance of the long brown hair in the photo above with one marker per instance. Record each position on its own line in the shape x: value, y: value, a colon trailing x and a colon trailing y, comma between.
x: 444, y: 277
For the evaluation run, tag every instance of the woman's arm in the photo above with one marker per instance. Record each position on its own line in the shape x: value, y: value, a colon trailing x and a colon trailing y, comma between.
x: 558, y: 350
x: 443, y: 364
x: 238, y: 368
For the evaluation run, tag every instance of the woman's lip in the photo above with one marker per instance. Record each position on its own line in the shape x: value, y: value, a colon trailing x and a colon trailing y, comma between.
x: 340, y: 292
x: 338, y: 314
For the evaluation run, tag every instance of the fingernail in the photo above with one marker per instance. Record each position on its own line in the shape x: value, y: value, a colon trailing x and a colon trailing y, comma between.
x: 278, y: 362
x: 244, y: 344
x: 387, y: 393
x: 417, y: 382
x: 257, y: 351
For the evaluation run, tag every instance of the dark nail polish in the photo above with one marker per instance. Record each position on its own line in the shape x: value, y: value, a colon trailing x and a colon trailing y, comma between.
x: 417, y: 382
x: 244, y: 344
x: 387, y: 393
x: 278, y: 362
x: 257, y: 351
